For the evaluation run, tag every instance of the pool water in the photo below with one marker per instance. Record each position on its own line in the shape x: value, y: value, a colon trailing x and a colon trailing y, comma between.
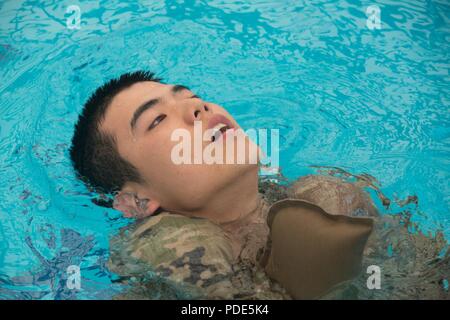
x: 368, y: 100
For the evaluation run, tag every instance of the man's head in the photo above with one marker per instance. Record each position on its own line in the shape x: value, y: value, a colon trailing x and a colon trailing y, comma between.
x: 122, y: 144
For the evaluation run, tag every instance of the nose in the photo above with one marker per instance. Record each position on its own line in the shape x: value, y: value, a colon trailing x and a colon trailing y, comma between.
x: 195, y: 111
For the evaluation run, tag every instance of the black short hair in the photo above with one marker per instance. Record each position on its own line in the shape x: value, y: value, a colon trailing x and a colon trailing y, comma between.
x: 94, y: 153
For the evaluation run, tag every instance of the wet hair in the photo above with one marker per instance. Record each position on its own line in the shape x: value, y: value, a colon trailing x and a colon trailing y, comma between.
x: 93, y: 152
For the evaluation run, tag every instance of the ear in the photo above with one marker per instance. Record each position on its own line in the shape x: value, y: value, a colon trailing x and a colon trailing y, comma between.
x: 133, y: 207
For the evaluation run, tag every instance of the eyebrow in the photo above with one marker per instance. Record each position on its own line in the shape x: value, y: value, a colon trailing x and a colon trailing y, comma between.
x: 148, y: 104
x: 179, y: 87
x: 141, y: 109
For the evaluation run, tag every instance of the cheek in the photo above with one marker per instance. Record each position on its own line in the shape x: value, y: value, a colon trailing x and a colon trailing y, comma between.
x: 155, y: 156
x: 184, y: 187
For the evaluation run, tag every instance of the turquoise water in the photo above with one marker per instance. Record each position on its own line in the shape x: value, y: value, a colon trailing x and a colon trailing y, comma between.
x: 369, y: 101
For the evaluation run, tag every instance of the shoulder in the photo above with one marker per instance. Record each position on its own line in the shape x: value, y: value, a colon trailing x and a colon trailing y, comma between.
x: 334, y: 195
x: 190, y: 251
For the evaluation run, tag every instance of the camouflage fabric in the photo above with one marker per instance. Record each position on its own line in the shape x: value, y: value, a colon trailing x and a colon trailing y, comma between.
x: 183, y: 258
x: 333, y: 195
x: 191, y: 252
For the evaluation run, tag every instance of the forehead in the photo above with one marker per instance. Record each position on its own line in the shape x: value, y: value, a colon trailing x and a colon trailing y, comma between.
x: 123, y: 105
x: 138, y: 93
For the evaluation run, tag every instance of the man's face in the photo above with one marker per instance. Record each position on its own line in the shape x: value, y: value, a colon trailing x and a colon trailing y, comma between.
x: 143, y: 118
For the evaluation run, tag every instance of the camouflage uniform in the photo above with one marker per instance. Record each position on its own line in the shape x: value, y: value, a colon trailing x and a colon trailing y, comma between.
x: 191, y: 252
x: 173, y: 256
x: 196, y: 258
x: 170, y: 256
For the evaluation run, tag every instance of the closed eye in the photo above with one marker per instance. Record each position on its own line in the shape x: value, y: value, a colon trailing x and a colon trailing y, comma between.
x: 157, y: 121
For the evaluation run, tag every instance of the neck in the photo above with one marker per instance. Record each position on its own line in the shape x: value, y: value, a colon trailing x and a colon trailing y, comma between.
x: 236, y: 201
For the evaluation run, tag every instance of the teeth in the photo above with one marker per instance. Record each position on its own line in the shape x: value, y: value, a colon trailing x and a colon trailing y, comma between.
x: 216, y: 135
x: 218, y: 126
x: 218, y: 129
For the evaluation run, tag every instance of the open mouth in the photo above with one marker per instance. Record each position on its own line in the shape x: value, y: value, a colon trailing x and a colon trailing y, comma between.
x: 219, y: 130
x: 219, y: 125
